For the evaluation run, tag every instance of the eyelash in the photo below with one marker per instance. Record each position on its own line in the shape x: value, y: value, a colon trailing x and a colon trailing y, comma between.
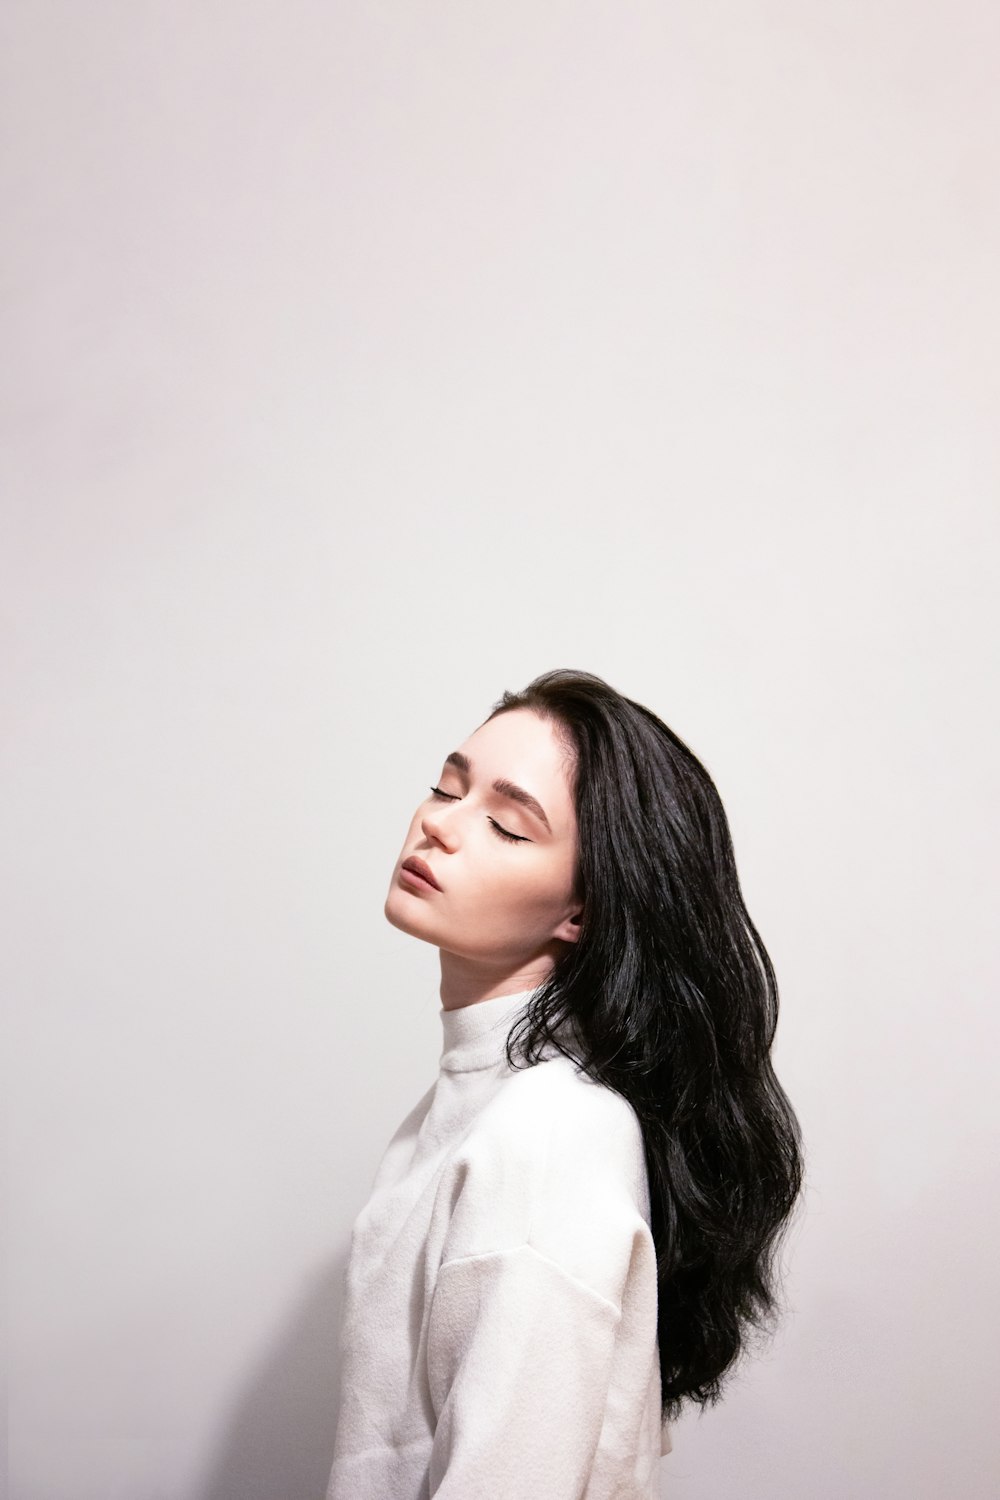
x: 512, y: 838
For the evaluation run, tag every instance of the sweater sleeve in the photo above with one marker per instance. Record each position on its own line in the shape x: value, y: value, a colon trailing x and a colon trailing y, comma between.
x: 519, y: 1359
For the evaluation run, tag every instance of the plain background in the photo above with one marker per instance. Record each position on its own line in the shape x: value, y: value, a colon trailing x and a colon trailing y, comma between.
x: 363, y: 360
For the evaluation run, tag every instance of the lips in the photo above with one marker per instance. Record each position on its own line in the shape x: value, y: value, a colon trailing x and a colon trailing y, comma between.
x: 419, y: 868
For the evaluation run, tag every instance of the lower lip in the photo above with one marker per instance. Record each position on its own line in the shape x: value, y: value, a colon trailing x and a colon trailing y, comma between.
x: 417, y: 881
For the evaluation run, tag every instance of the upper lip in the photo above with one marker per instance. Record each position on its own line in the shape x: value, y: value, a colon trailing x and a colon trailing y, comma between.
x: 418, y: 866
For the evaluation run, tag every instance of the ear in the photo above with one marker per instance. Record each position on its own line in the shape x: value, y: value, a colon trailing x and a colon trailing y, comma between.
x: 568, y: 931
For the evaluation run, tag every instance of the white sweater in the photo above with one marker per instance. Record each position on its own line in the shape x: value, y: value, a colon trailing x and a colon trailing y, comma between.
x: 499, y: 1336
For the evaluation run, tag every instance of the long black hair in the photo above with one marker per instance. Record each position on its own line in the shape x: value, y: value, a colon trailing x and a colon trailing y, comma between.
x: 673, y: 1001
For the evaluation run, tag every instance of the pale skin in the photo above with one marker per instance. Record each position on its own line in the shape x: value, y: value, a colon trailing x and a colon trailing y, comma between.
x: 505, y: 910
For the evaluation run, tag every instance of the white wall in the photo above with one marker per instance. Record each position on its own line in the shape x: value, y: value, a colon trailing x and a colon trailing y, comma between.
x: 366, y: 359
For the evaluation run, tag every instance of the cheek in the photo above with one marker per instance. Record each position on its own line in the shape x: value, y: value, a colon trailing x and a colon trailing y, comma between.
x: 492, y: 884
x: 530, y: 891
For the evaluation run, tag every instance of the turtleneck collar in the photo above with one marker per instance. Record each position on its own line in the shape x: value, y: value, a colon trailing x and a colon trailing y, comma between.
x: 474, y: 1036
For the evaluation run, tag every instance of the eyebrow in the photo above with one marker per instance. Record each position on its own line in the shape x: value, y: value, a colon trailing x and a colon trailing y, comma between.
x: 504, y: 787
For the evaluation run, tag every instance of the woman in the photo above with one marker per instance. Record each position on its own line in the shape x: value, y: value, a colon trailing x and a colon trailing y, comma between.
x: 575, y: 1229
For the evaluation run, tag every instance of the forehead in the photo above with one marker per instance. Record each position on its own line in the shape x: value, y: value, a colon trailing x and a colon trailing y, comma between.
x: 522, y: 747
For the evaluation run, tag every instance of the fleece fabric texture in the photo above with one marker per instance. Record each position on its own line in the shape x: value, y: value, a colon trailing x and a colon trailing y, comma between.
x: 499, y: 1331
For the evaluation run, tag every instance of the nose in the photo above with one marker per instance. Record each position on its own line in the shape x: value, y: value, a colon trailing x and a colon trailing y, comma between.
x: 434, y: 821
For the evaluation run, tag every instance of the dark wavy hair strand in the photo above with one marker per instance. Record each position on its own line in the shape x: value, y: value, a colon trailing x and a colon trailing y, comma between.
x: 673, y: 1000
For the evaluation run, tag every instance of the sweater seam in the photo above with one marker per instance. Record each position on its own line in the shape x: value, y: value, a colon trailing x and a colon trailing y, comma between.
x: 460, y: 1260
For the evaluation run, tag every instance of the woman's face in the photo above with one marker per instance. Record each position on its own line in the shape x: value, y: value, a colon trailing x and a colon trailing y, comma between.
x: 505, y: 905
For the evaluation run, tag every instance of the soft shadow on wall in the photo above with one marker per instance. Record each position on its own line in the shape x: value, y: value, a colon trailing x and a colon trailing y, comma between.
x: 277, y: 1442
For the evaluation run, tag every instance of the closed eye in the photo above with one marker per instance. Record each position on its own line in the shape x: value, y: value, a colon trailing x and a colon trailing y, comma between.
x: 513, y: 838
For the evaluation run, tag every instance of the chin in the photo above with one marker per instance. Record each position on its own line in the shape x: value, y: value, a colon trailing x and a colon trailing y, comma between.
x: 397, y: 914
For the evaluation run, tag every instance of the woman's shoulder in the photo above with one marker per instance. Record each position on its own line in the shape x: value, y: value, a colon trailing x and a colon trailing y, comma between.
x: 561, y: 1079
x: 555, y: 1161
x: 555, y: 1102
